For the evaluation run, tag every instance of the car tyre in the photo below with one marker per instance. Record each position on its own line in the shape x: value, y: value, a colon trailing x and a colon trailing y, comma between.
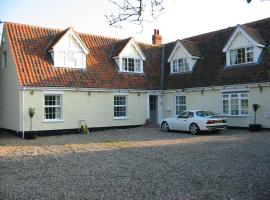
x: 165, y: 127
x: 194, y: 129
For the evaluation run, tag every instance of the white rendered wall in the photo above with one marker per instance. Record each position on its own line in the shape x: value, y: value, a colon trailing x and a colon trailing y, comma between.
x: 96, y: 108
x: 9, y: 91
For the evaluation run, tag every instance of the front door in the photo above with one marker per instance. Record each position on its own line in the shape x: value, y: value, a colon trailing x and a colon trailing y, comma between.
x: 153, y: 106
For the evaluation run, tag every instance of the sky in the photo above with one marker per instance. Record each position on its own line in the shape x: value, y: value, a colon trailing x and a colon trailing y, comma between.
x: 179, y: 20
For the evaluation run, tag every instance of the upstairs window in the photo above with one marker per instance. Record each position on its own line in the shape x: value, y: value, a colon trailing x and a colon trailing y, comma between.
x: 132, y: 65
x: 69, y: 58
x: 241, y: 56
x: 180, y: 65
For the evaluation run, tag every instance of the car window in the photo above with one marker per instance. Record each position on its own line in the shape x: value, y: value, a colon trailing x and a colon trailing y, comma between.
x: 183, y: 115
x: 190, y: 114
x: 205, y: 113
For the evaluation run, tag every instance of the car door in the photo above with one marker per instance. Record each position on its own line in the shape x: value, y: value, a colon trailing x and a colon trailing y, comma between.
x: 180, y: 121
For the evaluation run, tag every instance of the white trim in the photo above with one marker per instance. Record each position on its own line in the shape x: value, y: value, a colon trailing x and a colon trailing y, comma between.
x: 133, y: 43
x: 71, y: 33
x: 53, y: 92
x: 120, y: 94
x: 52, y: 120
x: 22, y: 112
x: 147, y: 106
x: 239, y: 98
x: 179, y: 95
x: 120, y: 118
x: 88, y: 89
x: 236, y: 31
x: 62, y: 106
x: 178, y: 44
x: 159, y: 106
x: 154, y: 92
x: 121, y: 66
x: 126, y: 105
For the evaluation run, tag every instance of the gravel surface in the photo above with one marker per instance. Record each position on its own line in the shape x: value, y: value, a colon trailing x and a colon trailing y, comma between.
x: 138, y: 163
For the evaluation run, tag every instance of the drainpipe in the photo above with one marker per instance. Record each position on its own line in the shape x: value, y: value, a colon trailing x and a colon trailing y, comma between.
x: 162, y: 80
x: 162, y: 69
x: 23, y: 112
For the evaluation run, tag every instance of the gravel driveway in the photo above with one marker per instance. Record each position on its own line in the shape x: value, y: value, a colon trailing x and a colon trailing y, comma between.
x: 138, y: 163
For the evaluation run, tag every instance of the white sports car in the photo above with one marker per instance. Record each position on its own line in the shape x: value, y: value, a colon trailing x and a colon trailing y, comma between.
x: 194, y: 121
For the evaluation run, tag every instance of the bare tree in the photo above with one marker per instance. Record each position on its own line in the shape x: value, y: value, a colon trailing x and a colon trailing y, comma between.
x: 134, y: 11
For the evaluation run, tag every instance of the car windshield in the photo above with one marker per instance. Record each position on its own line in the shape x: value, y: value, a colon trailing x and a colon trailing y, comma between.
x: 205, y: 114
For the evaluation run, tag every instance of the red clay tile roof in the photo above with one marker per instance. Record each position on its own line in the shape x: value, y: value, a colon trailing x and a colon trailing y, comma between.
x: 210, y: 69
x: 35, y: 65
x: 119, y: 46
x: 191, y: 47
x: 56, y: 38
x: 254, y: 34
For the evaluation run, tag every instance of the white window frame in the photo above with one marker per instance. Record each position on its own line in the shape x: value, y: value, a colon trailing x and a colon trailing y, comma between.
x: 180, y: 104
x: 135, y: 59
x: 176, y: 65
x: 247, y: 51
x: 229, y: 96
x: 53, y: 93
x: 124, y: 105
x: 74, y: 64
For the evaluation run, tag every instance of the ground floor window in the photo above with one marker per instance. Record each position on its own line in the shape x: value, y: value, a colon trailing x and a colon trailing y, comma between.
x: 53, y: 109
x: 235, y: 103
x: 180, y: 104
x: 120, y: 106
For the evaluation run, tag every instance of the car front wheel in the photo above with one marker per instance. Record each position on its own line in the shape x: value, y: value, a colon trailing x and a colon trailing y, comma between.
x: 165, y: 127
x: 194, y: 129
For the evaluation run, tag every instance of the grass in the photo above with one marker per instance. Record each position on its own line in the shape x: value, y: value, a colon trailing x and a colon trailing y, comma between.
x: 116, y: 143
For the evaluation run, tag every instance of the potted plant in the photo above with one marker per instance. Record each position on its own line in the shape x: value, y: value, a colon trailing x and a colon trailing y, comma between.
x: 30, y: 134
x: 255, y: 126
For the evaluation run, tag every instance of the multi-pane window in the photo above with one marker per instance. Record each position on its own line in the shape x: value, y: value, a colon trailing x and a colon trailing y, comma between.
x: 180, y: 65
x: 69, y: 58
x: 53, y: 109
x: 235, y: 103
x: 241, y: 56
x: 120, y: 106
x: 180, y: 104
x: 131, y: 65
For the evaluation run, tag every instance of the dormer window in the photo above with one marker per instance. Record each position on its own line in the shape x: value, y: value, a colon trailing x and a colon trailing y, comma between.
x: 184, y: 56
x: 180, y: 65
x: 69, y: 58
x: 128, y: 56
x: 132, y: 65
x: 244, y: 46
x: 69, y: 51
x: 241, y: 56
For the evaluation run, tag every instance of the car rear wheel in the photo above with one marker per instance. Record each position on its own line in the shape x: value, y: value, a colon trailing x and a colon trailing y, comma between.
x: 165, y: 127
x: 194, y: 129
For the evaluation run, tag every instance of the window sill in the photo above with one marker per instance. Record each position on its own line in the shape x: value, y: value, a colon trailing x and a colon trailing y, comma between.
x: 120, y: 118
x: 130, y: 72
x: 177, y: 73
x: 239, y: 65
x: 52, y: 120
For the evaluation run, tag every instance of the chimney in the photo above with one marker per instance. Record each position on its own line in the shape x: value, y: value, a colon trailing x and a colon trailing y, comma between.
x: 156, y: 38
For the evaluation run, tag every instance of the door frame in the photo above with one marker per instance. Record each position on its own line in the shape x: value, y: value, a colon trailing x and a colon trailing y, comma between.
x: 159, y: 105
